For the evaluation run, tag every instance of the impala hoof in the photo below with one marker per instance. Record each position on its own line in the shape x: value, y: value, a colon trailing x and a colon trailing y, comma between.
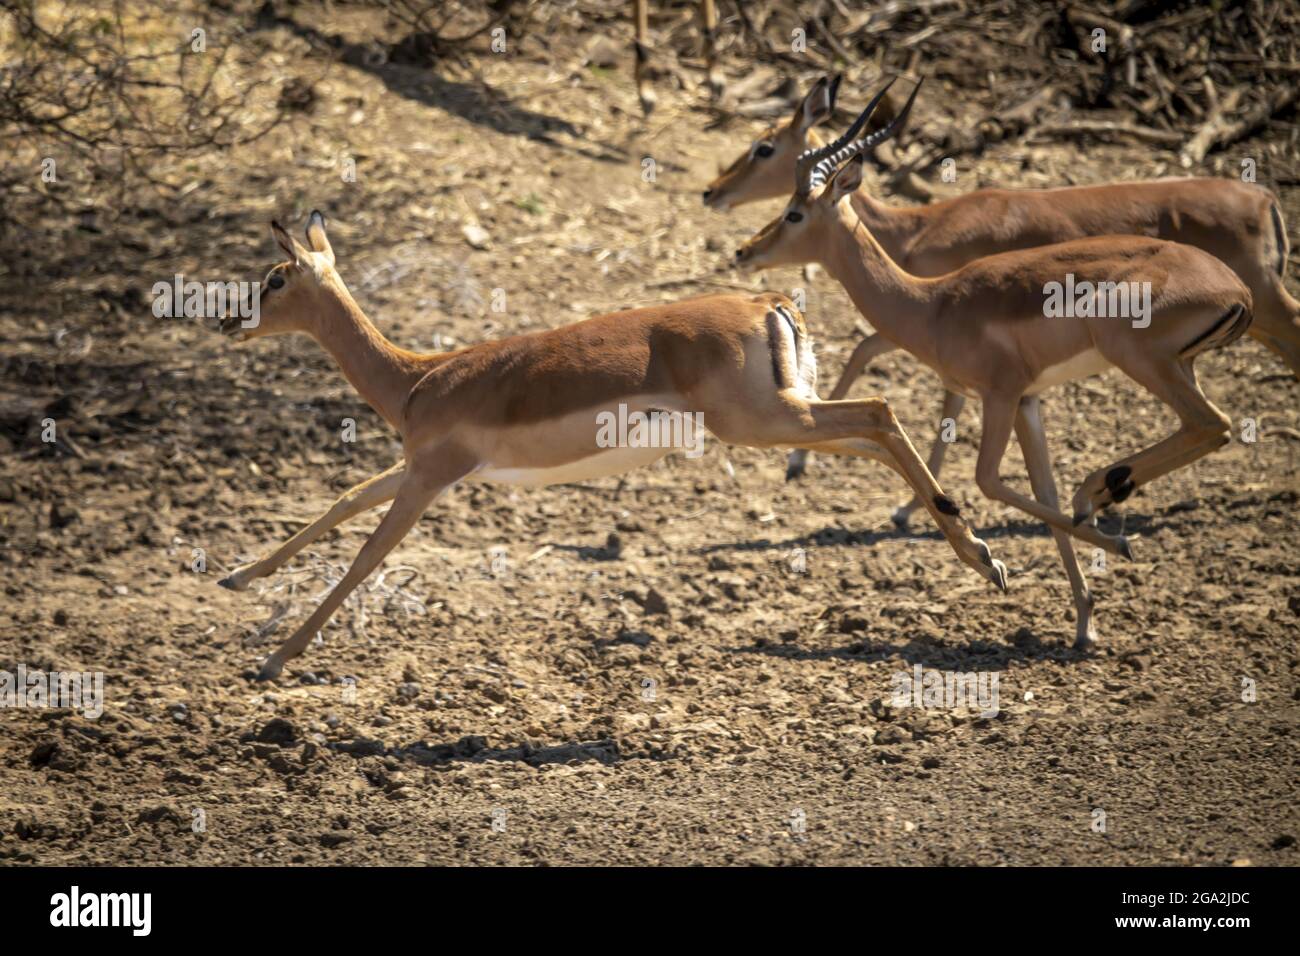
x: 796, y: 464
x: 901, y: 517
x: 1081, y: 516
x: 999, y: 572
x: 236, y: 580
x: 271, y: 669
x: 995, y: 570
x: 1123, y: 546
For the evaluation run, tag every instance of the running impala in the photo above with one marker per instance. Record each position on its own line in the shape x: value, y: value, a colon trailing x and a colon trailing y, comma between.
x: 1238, y: 223
x: 987, y: 329
x: 526, y: 410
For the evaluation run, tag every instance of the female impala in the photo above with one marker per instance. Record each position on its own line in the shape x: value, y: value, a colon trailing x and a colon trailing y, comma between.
x: 525, y: 410
x: 1238, y: 223
x: 985, y: 329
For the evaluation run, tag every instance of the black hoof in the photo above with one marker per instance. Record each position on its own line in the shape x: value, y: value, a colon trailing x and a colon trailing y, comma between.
x: 228, y: 584
x: 1124, y: 548
x: 1080, y: 517
x: 793, y: 472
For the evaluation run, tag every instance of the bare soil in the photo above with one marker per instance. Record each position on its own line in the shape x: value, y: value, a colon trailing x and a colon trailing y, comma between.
x: 631, y: 672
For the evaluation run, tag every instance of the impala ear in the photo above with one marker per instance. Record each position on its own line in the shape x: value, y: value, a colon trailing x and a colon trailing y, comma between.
x: 316, y: 236
x: 819, y: 104
x: 847, y: 179
x: 291, y: 246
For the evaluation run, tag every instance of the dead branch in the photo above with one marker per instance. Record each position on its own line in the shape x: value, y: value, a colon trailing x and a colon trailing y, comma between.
x: 1219, y: 131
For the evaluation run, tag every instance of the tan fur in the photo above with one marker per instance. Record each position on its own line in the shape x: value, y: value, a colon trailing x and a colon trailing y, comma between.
x: 983, y: 328
x: 524, y: 409
x: 1234, y: 221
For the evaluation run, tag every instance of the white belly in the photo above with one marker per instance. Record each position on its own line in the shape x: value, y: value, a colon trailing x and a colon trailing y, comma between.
x: 1082, y: 365
x: 614, y: 461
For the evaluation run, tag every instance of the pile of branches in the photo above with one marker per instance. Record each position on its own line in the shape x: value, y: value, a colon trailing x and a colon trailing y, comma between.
x: 91, y: 108
x: 1180, y: 75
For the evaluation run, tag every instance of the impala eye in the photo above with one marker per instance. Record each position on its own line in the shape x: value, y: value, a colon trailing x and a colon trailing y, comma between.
x: 793, y: 216
x: 276, y: 281
x: 764, y: 150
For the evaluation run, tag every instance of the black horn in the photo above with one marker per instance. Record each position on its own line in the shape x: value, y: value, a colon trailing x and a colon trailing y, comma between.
x: 896, y: 124
x: 812, y: 160
x: 823, y: 170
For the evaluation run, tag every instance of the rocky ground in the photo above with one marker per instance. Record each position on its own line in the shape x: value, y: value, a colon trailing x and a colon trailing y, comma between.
x: 694, y: 666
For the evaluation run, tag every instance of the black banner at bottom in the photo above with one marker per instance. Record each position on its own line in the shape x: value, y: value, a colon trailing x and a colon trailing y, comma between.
x: 331, y: 905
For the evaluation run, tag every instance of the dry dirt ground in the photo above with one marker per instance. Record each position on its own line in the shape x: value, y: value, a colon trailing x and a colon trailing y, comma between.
x: 628, y: 673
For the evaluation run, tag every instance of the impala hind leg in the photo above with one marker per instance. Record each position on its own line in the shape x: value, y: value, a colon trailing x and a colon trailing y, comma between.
x: 952, y: 406
x: 866, y: 351
x: 1203, y: 428
x: 418, y: 489
x: 868, y: 429
x: 999, y: 415
x: 641, y: 69
x: 1277, y: 320
x: 1038, y: 462
x: 709, y: 39
x: 369, y: 494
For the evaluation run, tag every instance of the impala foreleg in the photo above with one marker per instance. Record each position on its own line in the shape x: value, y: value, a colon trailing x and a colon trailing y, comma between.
x: 953, y: 403
x: 418, y: 489
x: 1038, y: 462
x: 369, y: 494
x: 868, y: 429
x: 999, y: 415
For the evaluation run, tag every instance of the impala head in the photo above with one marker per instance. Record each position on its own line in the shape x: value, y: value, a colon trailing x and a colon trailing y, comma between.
x: 824, y: 179
x: 293, y: 296
x: 763, y: 171
x: 801, y: 232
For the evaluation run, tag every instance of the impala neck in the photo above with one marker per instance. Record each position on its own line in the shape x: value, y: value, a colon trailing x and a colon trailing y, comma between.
x: 889, y: 226
x: 897, y: 305
x: 382, y: 374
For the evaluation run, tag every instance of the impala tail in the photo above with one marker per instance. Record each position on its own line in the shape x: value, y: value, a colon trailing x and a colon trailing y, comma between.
x: 1283, y: 241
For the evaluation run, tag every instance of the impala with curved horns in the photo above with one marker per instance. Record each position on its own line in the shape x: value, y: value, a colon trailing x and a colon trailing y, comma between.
x: 527, y: 410
x: 1239, y: 223
x: 987, y: 329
